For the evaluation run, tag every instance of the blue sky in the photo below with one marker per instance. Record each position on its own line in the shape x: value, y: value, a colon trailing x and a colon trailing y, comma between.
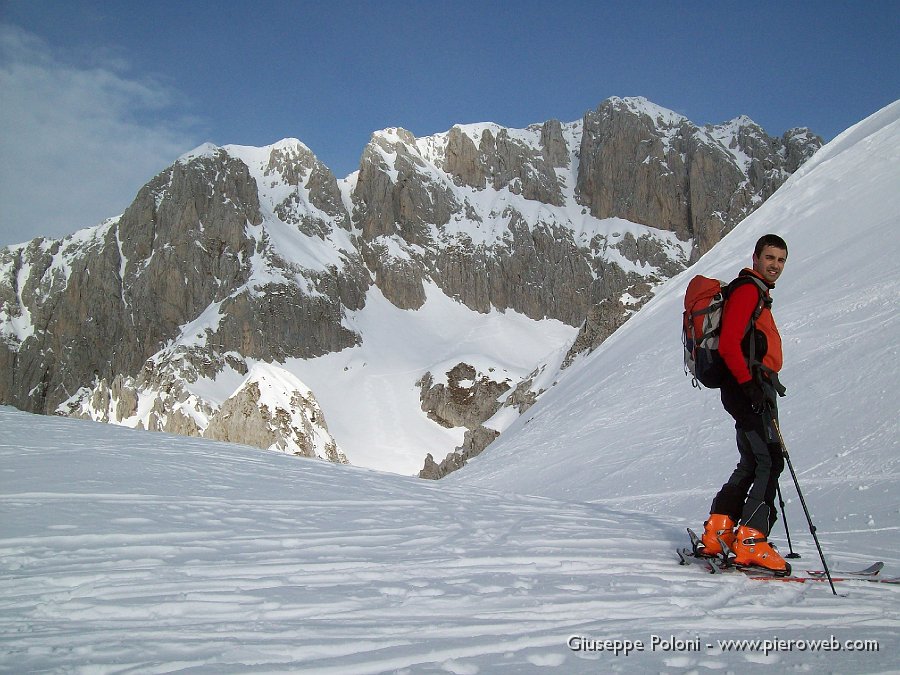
x: 97, y: 97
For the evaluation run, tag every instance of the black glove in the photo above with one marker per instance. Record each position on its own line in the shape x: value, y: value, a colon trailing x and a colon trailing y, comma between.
x: 755, y: 395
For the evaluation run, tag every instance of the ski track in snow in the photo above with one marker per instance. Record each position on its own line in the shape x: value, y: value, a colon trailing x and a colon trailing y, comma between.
x: 124, y: 551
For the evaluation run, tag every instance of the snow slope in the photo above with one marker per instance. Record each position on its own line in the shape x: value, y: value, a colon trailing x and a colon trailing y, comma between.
x: 126, y: 551
x: 626, y: 428
x: 369, y: 392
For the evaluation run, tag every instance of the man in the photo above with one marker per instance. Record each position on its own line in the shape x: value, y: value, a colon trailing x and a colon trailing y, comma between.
x: 752, y: 353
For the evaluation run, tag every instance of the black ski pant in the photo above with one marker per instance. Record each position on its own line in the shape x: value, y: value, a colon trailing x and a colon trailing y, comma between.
x: 749, y: 494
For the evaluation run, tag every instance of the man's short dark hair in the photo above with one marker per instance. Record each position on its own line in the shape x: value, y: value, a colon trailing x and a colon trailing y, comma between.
x: 770, y: 240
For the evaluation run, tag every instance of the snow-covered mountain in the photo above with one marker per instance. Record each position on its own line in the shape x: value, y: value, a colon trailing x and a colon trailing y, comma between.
x: 497, y: 252
x: 122, y: 550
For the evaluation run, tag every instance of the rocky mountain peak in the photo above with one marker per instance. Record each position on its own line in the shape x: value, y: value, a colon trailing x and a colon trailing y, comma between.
x: 235, y: 257
x: 290, y: 160
x: 800, y: 144
x: 658, y: 116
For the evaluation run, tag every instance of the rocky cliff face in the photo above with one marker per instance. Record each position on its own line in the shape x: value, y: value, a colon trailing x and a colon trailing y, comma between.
x: 238, y: 256
x: 652, y: 166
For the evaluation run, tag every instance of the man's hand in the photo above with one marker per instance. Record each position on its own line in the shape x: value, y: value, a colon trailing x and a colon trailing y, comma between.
x: 755, y: 395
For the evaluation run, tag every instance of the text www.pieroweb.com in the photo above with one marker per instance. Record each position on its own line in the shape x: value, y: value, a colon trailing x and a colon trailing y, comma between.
x: 656, y: 643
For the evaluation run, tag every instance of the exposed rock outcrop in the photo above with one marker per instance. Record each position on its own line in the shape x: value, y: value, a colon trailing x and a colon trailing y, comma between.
x: 476, y: 440
x: 295, y: 425
x: 467, y: 400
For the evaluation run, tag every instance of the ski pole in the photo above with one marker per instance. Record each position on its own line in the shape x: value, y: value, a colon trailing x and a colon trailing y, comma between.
x: 812, y: 528
x: 787, y: 530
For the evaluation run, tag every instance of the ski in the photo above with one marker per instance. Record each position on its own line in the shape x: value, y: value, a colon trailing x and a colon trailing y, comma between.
x: 715, y: 565
x: 869, y: 571
x: 767, y: 577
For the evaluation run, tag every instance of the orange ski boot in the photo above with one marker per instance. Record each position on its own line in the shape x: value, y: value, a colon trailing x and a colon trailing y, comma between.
x: 718, y: 525
x: 751, y: 548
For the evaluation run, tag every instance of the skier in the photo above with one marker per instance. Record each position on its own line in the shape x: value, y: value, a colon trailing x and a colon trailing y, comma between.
x: 753, y: 356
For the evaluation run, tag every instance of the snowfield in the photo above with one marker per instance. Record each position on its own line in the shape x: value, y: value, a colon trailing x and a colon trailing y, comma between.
x: 126, y: 551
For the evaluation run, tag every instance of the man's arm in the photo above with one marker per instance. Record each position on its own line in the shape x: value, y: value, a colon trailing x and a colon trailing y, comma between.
x: 735, y: 319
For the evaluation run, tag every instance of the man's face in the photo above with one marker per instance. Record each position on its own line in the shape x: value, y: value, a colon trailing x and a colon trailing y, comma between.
x: 770, y: 263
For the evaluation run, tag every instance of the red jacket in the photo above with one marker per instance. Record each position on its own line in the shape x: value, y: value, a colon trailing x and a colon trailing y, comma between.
x: 735, y: 319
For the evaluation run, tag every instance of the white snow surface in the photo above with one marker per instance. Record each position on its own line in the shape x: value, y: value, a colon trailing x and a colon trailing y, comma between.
x: 127, y: 551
